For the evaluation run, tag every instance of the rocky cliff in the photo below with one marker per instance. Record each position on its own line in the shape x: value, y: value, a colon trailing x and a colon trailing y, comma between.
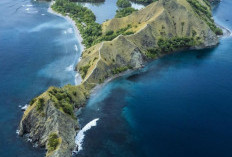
x: 163, y: 27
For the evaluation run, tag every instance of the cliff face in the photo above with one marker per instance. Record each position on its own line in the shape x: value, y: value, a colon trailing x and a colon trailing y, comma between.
x: 41, y: 125
x: 162, y: 27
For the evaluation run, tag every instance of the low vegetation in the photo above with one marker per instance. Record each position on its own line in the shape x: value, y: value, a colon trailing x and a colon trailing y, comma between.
x: 91, y: 31
x: 92, y: 1
x: 124, y: 12
x: 40, y: 104
x: 205, y: 13
x: 53, y: 142
x: 144, y: 1
x: 123, y: 3
x: 83, y: 70
x: 120, y: 69
x: 170, y: 45
x: 62, y: 100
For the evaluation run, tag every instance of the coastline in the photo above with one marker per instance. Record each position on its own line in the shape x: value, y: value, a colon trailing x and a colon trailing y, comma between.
x: 73, y: 23
x: 226, y: 32
x: 78, y: 78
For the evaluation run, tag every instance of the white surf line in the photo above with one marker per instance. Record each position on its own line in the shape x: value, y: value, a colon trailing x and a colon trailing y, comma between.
x: 99, y: 58
x: 81, y: 134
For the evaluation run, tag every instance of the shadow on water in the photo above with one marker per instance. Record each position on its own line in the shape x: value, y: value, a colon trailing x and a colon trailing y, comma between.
x: 172, y: 60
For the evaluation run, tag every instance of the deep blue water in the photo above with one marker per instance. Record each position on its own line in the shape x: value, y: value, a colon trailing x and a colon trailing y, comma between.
x: 37, y: 50
x: 177, y: 106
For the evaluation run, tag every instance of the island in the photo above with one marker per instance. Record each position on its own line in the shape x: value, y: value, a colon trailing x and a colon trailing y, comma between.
x: 120, y: 44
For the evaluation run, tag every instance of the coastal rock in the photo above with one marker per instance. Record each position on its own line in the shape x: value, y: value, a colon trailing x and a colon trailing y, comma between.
x: 39, y: 125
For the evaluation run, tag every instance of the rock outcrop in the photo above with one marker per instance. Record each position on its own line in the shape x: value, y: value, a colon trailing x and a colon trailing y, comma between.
x: 162, y: 27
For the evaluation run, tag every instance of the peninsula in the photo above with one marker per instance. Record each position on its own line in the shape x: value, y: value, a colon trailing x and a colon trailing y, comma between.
x: 119, y: 44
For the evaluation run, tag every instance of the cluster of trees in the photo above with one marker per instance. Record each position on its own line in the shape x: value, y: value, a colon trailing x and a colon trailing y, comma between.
x: 91, y: 31
x: 84, y: 18
x: 110, y: 35
x: 205, y: 14
x: 40, y: 104
x: 84, y: 70
x: 53, y: 141
x: 170, y: 45
x: 124, y: 12
x: 123, y: 3
x: 125, y: 8
x: 144, y: 1
x: 62, y: 100
x: 93, y: 1
x: 120, y: 69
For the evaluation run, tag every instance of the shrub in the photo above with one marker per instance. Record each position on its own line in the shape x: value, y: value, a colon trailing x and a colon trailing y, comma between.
x: 53, y: 141
x: 67, y: 108
x: 32, y: 101
x: 120, y: 69
x: 84, y: 70
x: 110, y: 32
x: 124, y: 12
x: 40, y: 104
x: 123, y: 3
x: 218, y: 31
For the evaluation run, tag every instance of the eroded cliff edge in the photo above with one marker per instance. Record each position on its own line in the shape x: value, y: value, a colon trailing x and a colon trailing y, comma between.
x: 163, y: 27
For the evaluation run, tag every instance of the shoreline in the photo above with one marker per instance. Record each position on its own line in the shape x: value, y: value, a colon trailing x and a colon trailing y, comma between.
x: 226, y: 31
x: 73, y: 23
x: 76, y: 32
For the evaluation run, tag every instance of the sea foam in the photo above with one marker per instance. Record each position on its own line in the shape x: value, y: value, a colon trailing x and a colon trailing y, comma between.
x: 69, y: 68
x: 78, y: 79
x: 76, y: 48
x: 81, y: 134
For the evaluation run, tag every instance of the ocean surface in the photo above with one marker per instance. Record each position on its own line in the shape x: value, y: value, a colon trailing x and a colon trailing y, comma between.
x: 37, y: 50
x: 177, y: 106
x: 106, y: 10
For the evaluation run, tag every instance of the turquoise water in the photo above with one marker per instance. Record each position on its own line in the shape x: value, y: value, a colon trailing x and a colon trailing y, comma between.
x: 177, y: 106
x: 37, y: 50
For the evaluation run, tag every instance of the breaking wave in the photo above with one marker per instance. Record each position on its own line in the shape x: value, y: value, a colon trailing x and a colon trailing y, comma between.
x: 81, y: 134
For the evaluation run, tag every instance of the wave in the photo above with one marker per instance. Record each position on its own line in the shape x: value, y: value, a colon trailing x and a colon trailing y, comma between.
x: 70, y: 30
x: 23, y: 108
x: 76, y: 48
x: 17, y: 132
x: 81, y: 134
x: 48, y: 25
x: 78, y: 79
x: 69, y: 68
x: 27, y: 5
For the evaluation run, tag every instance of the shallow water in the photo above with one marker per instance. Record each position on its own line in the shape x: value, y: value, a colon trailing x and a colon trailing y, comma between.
x: 37, y: 50
x: 179, y: 105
